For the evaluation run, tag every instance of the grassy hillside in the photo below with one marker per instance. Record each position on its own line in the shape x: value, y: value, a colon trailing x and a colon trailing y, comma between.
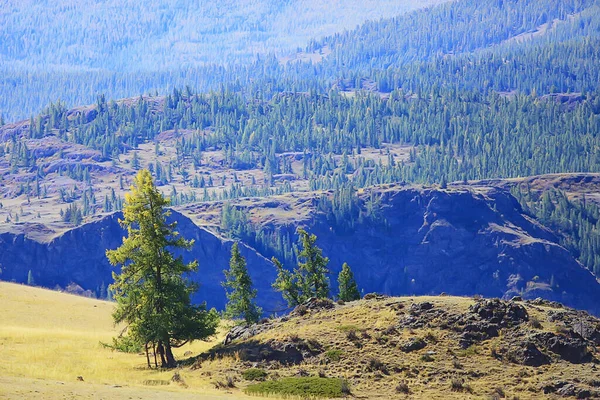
x: 421, y: 348
x: 48, y: 339
x: 382, y: 347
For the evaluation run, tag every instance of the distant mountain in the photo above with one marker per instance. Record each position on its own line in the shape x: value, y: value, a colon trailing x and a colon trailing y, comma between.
x: 74, y: 50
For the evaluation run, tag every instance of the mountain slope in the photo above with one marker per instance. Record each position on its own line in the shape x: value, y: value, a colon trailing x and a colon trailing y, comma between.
x: 78, y: 256
x: 126, y: 48
x: 424, y: 241
x: 419, y: 348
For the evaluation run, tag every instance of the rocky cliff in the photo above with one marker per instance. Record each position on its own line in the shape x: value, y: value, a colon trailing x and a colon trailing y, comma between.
x: 78, y: 256
x: 461, y: 241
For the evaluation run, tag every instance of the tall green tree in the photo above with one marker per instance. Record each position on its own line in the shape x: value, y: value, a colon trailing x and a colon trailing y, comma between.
x: 309, y: 279
x: 348, y: 290
x: 152, y: 291
x: 313, y: 266
x: 239, y: 290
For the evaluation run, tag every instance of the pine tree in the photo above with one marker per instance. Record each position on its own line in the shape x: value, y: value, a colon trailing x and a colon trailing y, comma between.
x: 314, y: 268
x: 348, y: 290
x: 135, y: 161
x: 238, y: 287
x: 152, y: 293
x: 309, y: 279
x: 30, y: 279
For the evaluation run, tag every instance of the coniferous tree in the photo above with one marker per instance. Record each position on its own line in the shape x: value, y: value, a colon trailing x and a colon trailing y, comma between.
x: 314, y: 268
x: 238, y: 287
x: 30, y: 279
x: 348, y: 290
x: 152, y: 293
x: 309, y: 279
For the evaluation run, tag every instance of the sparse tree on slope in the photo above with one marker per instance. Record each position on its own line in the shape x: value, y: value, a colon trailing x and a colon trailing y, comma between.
x: 152, y: 293
x: 309, y: 279
x: 238, y: 287
x: 314, y: 267
x: 348, y: 290
x: 30, y: 279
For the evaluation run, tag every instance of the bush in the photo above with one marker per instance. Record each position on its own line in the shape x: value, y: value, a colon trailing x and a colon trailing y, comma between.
x: 334, y: 355
x: 228, y: 384
x: 376, y: 364
x: 402, y: 388
x: 254, y: 374
x: 535, y: 323
x: 431, y: 337
x: 303, y: 387
x: 125, y: 344
x: 458, y: 385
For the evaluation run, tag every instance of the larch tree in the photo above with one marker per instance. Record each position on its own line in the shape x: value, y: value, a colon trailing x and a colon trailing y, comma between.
x: 348, y: 290
x: 239, y: 290
x: 152, y: 291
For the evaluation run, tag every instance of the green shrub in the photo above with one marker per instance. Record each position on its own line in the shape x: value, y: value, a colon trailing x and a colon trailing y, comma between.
x: 334, y: 355
x: 307, y: 386
x: 255, y: 374
x: 125, y: 344
x: 348, y: 328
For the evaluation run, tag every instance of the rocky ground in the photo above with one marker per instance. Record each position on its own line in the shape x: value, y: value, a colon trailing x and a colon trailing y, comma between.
x: 433, y: 347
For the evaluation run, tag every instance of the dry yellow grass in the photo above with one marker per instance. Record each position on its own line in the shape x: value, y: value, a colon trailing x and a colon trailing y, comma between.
x: 48, y: 339
x: 483, y: 375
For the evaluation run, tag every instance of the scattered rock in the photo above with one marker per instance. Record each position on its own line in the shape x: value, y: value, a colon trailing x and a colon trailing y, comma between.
x: 502, y: 313
x: 545, y: 303
x: 571, y: 349
x: 417, y: 308
x: 572, y: 390
x: 413, y: 345
x: 286, y: 352
x: 524, y: 353
x: 375, y: 296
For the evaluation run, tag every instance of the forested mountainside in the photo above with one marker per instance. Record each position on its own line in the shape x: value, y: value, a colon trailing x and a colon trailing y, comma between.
x: 72, y: 49
x: 490, y: 90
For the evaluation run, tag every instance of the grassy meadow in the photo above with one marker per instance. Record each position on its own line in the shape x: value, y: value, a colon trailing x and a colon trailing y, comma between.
x: 48, y: 339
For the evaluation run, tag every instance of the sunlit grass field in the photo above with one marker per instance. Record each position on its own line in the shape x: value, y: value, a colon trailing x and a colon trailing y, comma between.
x: 56, y: 337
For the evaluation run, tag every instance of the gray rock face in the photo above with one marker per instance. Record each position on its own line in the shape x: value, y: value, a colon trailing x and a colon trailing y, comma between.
x: 459, y: 243
x: 79, y: 256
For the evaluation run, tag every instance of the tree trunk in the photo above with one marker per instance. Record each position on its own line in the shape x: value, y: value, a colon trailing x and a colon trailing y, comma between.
x: 147, y: 355
x: 154, y: 351
x: 171, y: 363
x: 161, y: 352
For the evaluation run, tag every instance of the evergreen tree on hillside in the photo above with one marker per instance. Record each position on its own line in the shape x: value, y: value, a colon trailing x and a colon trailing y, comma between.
x: 238, y: 287
x: 30, y: 279
x: 309, y: 279
x: 152, y: 292
x: 314, y: 267
x: 348, y: 290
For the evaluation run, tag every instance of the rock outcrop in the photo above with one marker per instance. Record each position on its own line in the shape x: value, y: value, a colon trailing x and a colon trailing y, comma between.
x: 79, y: 256
x: 462, y: 241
